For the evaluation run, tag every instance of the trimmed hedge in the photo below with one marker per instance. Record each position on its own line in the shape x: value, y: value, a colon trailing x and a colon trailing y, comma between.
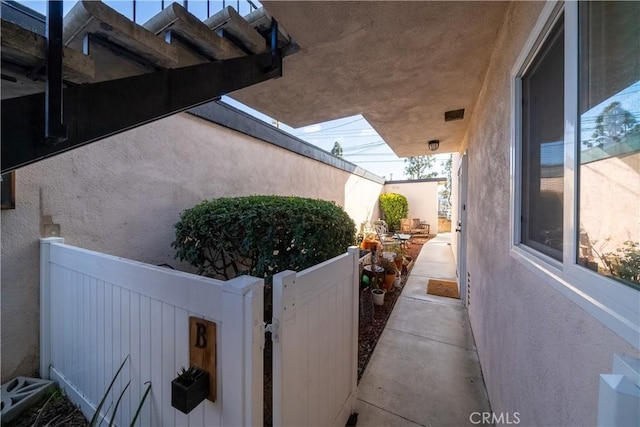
x: 394, y: 207
x: 261, y: 235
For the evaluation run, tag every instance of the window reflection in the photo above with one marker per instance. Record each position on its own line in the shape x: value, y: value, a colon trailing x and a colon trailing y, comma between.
x: 609, y: 155
x: 542, y: 203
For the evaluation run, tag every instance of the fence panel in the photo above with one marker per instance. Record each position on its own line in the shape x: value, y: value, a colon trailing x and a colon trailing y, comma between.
x: 315, y: 347
x: 98, y: 310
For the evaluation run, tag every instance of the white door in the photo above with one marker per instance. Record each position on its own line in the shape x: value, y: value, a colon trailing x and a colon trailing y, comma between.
x: 461, y: 230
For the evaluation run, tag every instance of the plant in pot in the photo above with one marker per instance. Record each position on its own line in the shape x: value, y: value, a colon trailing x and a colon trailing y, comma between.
x: 378, y: 294
x: 189, y: 388
x: 389, y: 273
x: 397, y: 249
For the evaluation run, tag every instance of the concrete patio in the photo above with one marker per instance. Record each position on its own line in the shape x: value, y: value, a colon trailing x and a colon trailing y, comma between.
x: 425, y: 368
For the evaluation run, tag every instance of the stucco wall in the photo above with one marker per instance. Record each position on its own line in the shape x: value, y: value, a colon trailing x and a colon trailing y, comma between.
x: 422, y: 198
x: 540, y: 353
x: 123, y: 195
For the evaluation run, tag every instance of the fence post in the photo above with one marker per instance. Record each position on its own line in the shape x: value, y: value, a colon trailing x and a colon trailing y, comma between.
x: 242, y: 336
x: 45, y: 304
x: 354, y: 251
x: 284, y: 316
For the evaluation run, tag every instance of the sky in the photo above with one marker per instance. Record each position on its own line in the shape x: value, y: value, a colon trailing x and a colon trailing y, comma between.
x: 145, y: 9
x: 360, y: 143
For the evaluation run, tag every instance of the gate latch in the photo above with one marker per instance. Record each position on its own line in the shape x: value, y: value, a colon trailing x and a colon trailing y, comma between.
x: 274, y: 328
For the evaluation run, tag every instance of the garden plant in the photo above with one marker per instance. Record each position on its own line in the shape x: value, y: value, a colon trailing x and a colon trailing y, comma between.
x: 261, y: 235
x: 394, y: 206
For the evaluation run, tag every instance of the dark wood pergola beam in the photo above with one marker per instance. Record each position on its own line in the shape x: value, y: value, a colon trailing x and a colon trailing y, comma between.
x: 95, y: 111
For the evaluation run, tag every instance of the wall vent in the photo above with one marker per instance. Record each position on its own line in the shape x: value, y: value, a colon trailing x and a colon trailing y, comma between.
x: 454, y: 115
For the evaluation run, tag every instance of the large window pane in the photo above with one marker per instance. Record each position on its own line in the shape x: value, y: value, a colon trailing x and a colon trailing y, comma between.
x: 543, y: 147
x: 609, y: 152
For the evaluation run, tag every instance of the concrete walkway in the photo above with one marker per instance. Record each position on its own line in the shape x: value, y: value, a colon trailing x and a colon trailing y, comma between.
x: 424, y: 370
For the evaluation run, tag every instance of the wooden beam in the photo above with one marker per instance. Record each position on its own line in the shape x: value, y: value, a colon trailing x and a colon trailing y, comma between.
x: 96, y: 111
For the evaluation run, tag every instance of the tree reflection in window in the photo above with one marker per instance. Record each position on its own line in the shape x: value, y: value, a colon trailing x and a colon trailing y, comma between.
x: 609, y: 149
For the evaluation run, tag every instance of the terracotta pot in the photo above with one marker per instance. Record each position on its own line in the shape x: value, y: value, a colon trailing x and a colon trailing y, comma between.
x: 368, y: 245
x: 388, y: 281
x: 398, y: 262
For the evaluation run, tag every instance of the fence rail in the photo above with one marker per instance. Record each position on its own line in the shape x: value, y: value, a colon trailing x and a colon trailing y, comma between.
x: 98, y: 310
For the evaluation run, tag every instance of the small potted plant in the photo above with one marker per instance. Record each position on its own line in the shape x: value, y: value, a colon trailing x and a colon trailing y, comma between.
x: 389, y: 273
x: 378, y: 294
x: 189, y: 388
x: 397, y: 249
x: 398, y: 280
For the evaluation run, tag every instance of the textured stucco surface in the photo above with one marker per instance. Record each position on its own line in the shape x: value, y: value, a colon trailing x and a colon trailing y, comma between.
x: 422, y: 198
x: 541, y: 354
x: 123, y: 195
x: 399, y: 64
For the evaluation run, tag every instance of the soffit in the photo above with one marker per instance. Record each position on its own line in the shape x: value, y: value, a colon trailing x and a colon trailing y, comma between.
x: 399, y: 64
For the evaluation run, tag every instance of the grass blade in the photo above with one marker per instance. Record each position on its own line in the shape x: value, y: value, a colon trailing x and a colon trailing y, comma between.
x: 95, y: 417
x: 115, y: 409
x: 144, y: 397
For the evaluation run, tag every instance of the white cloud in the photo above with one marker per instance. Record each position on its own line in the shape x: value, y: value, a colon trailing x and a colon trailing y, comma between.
x: 312, y: 128
x: 367, y: 132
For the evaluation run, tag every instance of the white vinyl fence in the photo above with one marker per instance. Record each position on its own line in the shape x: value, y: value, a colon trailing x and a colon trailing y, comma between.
x: 315, y: 347
x: 98, y: 309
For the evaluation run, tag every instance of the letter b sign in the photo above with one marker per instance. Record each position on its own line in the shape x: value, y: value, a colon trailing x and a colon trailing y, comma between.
x: 202, y: 349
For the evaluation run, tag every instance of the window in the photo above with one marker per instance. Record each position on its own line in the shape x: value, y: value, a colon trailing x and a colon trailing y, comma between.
x: 543, y: 147
x: 609, y: 135
x: 576, y: 158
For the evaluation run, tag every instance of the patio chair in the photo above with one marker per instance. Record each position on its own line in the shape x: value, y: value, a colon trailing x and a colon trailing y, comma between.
x: 385, y: 238
x: 419, y: 227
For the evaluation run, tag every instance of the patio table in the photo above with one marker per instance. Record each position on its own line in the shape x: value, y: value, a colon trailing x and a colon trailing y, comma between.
x: 402, y: 238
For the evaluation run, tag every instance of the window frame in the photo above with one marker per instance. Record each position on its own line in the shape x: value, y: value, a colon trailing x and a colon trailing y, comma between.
x: 614, y: 304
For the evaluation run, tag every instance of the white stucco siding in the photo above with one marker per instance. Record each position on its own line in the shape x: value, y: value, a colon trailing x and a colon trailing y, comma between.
x: 123, y: 195
x: 541, y: 354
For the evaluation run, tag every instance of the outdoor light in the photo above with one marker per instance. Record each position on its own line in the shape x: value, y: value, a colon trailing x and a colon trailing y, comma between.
x: 434, y: 144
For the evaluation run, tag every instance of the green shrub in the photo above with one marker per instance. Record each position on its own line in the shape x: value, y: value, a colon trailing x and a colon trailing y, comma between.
x: 624, y: 263
x: 261, y: 235
x: 394, y: 207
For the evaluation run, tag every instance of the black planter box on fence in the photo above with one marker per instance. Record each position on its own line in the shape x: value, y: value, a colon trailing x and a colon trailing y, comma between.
x: 188, y: 392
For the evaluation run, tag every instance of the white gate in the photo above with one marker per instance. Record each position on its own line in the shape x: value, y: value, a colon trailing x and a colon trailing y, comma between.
x: 98, y: 309
x: 315, y: 314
